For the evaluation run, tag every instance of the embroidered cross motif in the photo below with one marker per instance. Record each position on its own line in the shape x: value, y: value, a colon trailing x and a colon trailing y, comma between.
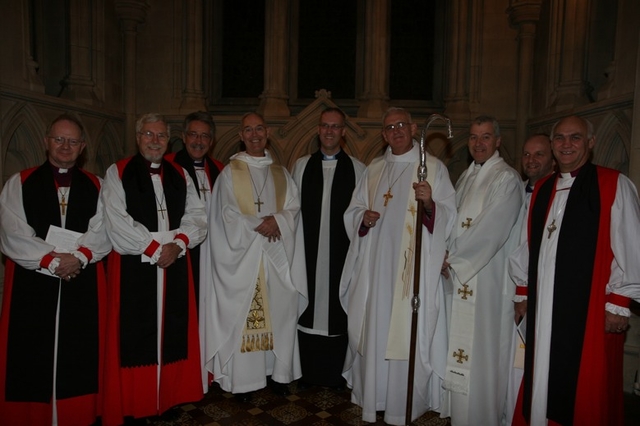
x: 461, y: 356
x: 465, y: 291
x: 467, y: 224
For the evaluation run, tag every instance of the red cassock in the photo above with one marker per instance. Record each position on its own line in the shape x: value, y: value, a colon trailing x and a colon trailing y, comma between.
x: 29, y: 313
x: 585, y: 387
x: 140, y: 380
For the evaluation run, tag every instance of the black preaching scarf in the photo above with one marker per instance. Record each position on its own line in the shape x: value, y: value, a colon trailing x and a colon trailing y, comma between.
x: 34, y: 300
x: 344, y: 181
x: 573, y: 277
x: 138, y: 281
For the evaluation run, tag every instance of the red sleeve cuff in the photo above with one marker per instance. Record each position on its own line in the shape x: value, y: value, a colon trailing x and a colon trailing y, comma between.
x: 87, y: 253
x: 522, y: 290
x: 183, y: 238
x: 46, y: 260
x: 151, y: 248
x: 619, y: 300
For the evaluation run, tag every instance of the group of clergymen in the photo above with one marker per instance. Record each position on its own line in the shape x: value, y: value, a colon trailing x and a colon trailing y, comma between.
x: 127, y: 296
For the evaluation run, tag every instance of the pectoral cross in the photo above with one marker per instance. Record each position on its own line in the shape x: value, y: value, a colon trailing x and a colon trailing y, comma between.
x: 162, y: 210
x: 467, y: 224
x: 551, y: 228
x: 204, y: 191
x: 465, y: 291
x: 461, y: 356
x: 387, y: 197
x: 63, y: 206
x: 258, y: 203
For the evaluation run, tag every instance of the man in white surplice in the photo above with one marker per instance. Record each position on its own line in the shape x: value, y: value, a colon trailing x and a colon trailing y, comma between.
x: 377, y: 281
x: 489, y: 196
x: 537, y: 162
x: 251, y: 305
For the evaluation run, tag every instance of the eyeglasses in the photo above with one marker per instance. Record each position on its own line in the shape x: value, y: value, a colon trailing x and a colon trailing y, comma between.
x: 327, y: 126
x: 399, y: 125
x: 60, y: 140
x: 150, y: 135
x: 205, y: 137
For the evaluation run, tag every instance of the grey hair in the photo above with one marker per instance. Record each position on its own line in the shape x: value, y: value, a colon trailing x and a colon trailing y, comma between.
x: 396, y: 110
x: 481, y: 119
x: 589, y: 124
x: 151, y: 117
x: 203, y: 116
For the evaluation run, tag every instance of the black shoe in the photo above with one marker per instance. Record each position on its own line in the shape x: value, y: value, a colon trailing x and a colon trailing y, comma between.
x: 243, y: 397
x: 280, y: 389
x: 131, y: 421
x: 171, y: 415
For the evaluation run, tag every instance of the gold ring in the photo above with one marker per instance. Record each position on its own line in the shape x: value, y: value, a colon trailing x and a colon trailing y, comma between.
x: 370, y: 223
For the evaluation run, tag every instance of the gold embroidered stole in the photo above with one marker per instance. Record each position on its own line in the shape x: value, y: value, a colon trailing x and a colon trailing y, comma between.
x: 399, y: 327
x: 257, y: 334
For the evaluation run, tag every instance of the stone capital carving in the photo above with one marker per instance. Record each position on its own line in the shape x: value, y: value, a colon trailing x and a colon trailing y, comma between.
x: 131, y: 12
x: 523, y: 11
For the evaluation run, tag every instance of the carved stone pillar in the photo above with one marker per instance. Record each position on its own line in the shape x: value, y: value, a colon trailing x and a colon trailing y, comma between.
x: 193, y: 97
x: 274, y: 98
x: 79, y: 84
x: 457, y: 98
x: 375, y: 99
x: 571, y: 18
x: 131, y: 13
x: 524, y: 15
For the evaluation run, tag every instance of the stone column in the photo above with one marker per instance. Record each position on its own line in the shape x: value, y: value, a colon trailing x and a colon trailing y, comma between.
x: 457, y: 97
x: 79, y: 84
x: 571, y: 18
x: 375, y: 99
x: 193, y: 97
x: 524, y: 15
x: 131, y: 13
x: 274, y: 98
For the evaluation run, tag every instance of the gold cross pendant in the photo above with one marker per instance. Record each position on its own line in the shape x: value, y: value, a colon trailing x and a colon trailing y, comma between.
x: 63, y: 206
x: 387, y: 197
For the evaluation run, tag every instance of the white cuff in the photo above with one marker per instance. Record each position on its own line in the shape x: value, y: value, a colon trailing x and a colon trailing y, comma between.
x: 81, y: 257
x: 617, y: 310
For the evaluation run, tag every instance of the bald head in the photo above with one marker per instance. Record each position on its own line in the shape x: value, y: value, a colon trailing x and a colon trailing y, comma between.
x: 537, y: 159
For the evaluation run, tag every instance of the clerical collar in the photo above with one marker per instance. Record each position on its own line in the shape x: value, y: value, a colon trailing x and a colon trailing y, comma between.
x: 572, y: 173
x: 326, y: 157
x: 529, y: 189
x: 154, y: 168
x: 62, y: 176
x: 198, y: 163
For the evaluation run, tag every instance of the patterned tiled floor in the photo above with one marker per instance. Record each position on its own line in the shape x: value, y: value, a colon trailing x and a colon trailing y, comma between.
x: 316, y: 406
